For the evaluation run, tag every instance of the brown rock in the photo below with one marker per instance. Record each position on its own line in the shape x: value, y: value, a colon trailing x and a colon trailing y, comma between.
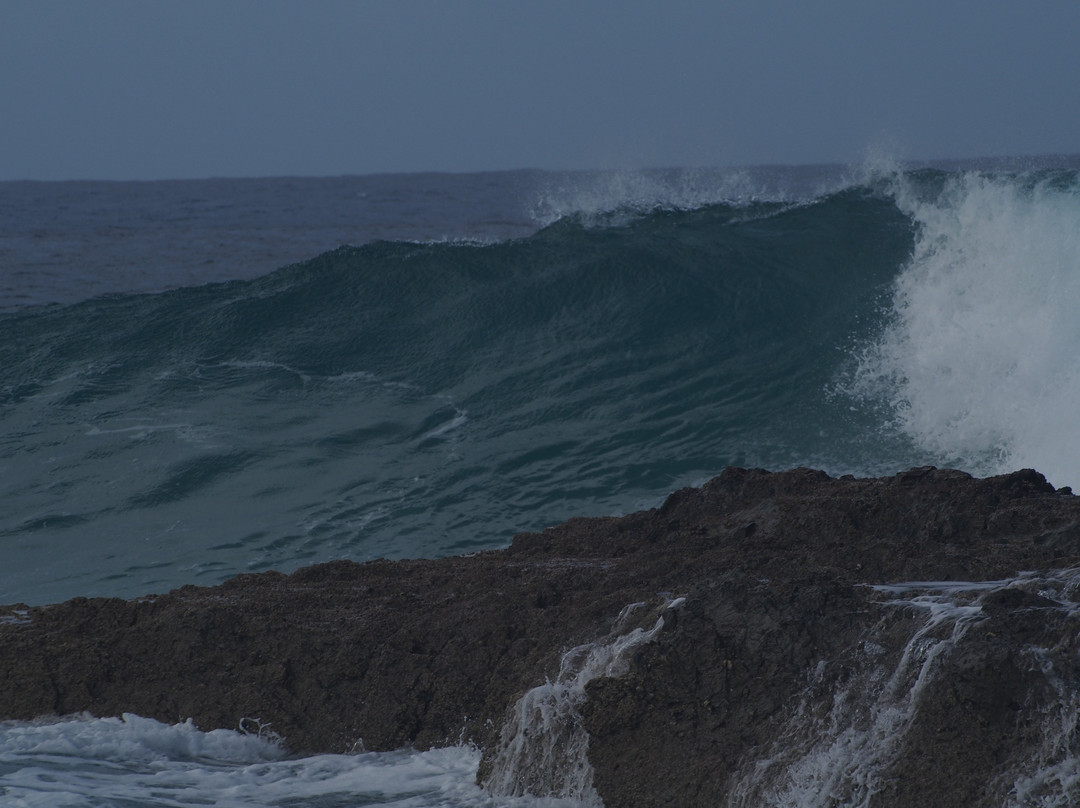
x: 779, y: 626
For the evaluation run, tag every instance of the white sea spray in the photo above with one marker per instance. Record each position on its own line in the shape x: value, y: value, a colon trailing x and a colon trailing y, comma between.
x: 979, y: 358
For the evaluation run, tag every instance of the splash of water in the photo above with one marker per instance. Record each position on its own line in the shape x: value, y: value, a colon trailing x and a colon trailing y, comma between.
x: 980, y: 359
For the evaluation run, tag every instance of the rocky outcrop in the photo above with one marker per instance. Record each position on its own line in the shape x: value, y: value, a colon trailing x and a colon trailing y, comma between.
x: 787, y: 650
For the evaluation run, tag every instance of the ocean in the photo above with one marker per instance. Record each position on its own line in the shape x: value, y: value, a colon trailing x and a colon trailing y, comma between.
x: 204, y: 378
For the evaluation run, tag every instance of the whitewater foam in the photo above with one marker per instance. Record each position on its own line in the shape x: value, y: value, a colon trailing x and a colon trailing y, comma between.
x: 980, y: 359
x: 80, y: 761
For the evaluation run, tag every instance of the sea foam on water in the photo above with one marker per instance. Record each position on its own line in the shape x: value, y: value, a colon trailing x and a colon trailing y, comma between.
x: 85, y: 761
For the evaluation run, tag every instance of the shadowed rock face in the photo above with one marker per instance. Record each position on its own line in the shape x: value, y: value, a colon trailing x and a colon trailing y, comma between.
x: 783, y: 649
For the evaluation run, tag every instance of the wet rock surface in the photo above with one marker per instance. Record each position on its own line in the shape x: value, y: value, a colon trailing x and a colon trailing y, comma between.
x: 785, y: 646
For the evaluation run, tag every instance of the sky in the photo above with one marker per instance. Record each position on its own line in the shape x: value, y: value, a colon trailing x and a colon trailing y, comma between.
x: 148, y: 89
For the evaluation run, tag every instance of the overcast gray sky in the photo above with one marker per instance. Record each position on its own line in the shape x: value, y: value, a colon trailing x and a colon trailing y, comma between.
x: 139, y: 89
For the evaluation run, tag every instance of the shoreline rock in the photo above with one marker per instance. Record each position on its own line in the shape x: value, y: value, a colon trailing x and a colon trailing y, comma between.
x: 777, y: 570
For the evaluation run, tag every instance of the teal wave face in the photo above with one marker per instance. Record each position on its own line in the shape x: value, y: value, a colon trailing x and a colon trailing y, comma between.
x: 405, y: 399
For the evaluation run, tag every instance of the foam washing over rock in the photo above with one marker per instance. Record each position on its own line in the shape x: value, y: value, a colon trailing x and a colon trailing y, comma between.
x: 848, y: 729
x: 543, y: 747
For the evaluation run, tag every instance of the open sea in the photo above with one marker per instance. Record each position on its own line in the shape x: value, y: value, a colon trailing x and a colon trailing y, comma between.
x: 203, y: 378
